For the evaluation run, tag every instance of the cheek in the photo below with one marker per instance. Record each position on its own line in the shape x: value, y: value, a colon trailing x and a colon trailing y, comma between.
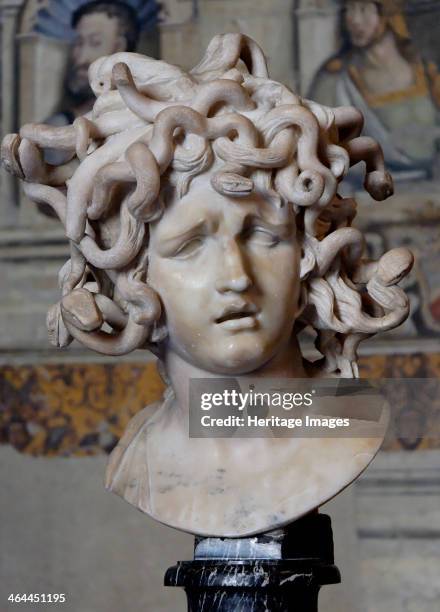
x: 104, y: 48
x: 182, y: 289
x: 372, y: 23
x: 174, y: 280
x: 75, y: 53
x: 277, y: 274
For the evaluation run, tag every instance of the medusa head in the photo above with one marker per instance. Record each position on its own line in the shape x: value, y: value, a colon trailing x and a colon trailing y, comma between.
x: 228, y: 134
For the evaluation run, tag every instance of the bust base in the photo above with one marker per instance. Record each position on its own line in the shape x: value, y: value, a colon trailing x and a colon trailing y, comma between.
x: 281, y: 571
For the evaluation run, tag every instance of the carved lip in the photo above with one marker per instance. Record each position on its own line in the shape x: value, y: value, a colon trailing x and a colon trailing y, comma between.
x: 238, y: 316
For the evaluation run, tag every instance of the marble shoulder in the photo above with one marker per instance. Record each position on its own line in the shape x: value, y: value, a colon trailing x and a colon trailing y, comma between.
x: 133, y: 428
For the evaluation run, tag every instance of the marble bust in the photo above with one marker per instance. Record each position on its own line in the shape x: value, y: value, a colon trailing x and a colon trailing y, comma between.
x: 205, y: 224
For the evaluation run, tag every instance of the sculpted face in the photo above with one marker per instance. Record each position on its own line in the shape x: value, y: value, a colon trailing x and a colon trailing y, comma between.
x: 227, y: 272
x: 364, y: 23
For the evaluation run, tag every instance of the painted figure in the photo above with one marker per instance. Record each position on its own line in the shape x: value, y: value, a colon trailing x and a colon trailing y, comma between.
x: 100, y: 28
x: 205, y: 224
x: 379, y: 71
x: 94, y: 29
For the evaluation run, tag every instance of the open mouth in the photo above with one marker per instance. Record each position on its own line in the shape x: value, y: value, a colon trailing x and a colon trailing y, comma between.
x: 238, y: 320
x: 233, y: 316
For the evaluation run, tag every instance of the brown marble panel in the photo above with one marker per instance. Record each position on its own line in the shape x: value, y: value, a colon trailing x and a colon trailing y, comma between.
x: 72, y: 409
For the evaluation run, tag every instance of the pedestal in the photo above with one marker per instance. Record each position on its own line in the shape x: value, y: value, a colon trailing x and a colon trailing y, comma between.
x: 280, y: 571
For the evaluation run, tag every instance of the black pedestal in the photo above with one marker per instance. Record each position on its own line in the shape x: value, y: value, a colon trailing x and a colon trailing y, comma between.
x: 280, y: 571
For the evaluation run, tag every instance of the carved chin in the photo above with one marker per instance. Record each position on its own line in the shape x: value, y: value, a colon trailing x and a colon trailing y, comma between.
x: 242, y: 355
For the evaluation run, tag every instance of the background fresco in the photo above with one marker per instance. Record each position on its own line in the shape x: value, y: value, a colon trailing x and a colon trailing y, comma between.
x: 384, y: 60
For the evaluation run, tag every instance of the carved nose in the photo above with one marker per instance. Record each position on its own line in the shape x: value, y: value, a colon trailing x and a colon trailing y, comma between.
x: 238, y: 284
x: 233, y: 275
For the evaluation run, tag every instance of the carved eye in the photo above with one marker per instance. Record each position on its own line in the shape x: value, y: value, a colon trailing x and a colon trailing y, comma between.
x: 260, y: 235
x: 189, y: 248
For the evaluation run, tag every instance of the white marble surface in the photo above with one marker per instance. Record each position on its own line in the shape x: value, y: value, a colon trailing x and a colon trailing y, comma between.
x: 241, y: 487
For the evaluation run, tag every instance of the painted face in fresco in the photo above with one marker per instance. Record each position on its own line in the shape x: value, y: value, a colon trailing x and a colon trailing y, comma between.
x: 227, y: 272
x: 97, y: 34
x: 364, y: 23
